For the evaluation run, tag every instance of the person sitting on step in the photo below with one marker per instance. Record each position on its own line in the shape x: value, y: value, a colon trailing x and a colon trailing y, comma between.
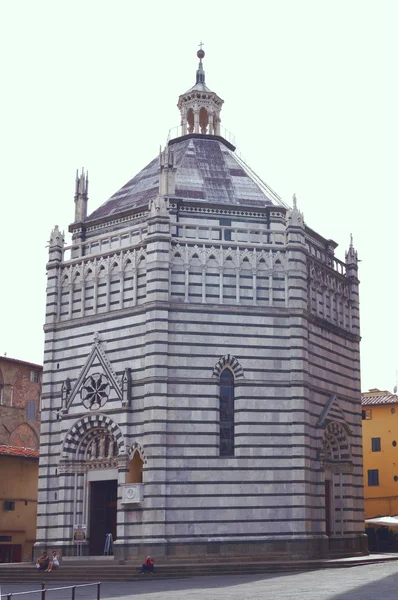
x: 43, y: 562
x: 148, y: 565
x: 54, y: 561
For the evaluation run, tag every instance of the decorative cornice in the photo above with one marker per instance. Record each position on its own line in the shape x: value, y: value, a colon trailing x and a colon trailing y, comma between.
x: 226, y: 211
x: 103, y: 223
x: 72, y: 466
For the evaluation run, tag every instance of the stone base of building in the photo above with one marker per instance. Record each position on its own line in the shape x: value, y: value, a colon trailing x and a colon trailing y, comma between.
x: 309, y: 548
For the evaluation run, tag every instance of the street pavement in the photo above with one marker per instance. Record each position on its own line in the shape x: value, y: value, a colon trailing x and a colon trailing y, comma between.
x: 373, y: 582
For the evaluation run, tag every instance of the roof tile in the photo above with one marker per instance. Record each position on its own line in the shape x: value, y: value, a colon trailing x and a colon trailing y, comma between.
x: 206, y: 169
x: 16, y: 451
x: 378, y: 398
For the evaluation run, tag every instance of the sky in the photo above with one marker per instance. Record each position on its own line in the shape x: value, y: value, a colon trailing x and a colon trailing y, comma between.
x: 311, y: 95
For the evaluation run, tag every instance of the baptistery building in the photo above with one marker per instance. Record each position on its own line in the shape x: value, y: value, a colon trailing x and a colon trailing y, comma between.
x: 201, y: 386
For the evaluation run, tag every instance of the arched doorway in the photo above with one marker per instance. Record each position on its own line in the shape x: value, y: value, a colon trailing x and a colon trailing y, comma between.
x: 93, y: 464
x: 337, y: 466
x: 102, y: 479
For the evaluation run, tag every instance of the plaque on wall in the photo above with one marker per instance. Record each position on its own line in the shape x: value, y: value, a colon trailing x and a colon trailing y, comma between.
x: 79, y: 534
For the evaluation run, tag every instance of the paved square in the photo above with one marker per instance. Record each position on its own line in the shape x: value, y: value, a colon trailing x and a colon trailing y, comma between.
x: 373, y: 582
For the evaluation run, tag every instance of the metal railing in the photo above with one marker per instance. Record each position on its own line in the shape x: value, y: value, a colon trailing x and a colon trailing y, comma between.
x: 43, y: 591
x: 178, y: 131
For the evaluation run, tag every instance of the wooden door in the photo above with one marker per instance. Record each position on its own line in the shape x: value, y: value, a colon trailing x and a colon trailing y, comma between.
x: 328, y: 507
x: 103, y: 514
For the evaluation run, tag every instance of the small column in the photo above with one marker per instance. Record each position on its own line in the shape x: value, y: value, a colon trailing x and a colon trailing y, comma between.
x: 70, y: 309
x: 318, y: 291
x: 254, y: 287
x: 121, y: 297
x: 324, y: 290
x: 270, y: 289
x: 286, y: 289
x: 184, y: 122
x: 95, y: 295
x: 59, y: 298
x: 107, y: 292
x: 210, y: 123
x: 186, y: 283
x: 170, y: 274
x: 237, y: 281
x: 204, y: 284
x: 221, y: 289
x: 135, y: 286
x: 83, y: 295
x: 196, y: 119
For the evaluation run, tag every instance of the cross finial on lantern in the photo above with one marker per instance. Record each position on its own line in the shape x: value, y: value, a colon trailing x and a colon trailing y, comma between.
x: 200, y: 74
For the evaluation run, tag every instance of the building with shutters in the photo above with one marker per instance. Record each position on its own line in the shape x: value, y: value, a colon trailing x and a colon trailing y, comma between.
x: 201, y: 391
x: 380, y: 451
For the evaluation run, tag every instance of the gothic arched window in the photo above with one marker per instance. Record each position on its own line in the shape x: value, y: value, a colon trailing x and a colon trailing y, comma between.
x: 227, y: 401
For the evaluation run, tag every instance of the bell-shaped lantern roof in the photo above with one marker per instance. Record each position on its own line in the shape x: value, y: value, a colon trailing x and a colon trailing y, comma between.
x: 200, y: 107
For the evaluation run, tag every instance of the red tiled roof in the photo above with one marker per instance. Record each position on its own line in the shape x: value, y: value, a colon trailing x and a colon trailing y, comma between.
x: 16, y: 451
x: 378, y: 397
x: 22, y: 362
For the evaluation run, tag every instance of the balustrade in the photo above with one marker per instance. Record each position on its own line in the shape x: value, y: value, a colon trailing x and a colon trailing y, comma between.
x: 228, y: 234
x: 327, y: 259
x: 105, y: 243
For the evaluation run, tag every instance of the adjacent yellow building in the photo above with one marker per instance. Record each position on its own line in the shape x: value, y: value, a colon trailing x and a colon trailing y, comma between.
x: 20, y: 389
x: 380, y: 452
x: 18, y: 502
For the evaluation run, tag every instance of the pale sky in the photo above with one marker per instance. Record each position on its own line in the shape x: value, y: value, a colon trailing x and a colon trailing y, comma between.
x: 311, y: 94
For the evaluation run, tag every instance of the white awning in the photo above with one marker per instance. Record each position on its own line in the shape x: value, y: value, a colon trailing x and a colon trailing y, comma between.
x: 388, y: 521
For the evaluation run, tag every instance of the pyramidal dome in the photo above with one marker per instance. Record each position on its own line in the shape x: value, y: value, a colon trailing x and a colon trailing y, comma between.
x: 206, y: 167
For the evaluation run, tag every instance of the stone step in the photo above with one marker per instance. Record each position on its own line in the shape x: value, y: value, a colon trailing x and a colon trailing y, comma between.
x: 27, y: 573
x: 36, y: 581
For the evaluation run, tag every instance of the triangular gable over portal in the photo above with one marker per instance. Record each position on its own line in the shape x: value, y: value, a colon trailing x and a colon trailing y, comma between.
x: 97, y: 355
x: 333, y: 413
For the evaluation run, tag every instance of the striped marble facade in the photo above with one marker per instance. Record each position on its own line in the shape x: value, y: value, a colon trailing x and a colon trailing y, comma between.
x: 143, y: 315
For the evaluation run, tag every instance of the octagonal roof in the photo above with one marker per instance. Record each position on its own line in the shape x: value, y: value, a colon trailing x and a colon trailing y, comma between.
x: 207, y: 171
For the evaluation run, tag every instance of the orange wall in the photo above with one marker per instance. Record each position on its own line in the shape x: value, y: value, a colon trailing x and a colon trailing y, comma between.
x: 18, y: 483
x: 381, y: 500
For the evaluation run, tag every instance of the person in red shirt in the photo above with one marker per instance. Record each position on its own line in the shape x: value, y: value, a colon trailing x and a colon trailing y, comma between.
x: 148, y: 565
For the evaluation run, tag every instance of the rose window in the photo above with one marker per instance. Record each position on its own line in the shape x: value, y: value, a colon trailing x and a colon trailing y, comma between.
x: 95, y: 391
